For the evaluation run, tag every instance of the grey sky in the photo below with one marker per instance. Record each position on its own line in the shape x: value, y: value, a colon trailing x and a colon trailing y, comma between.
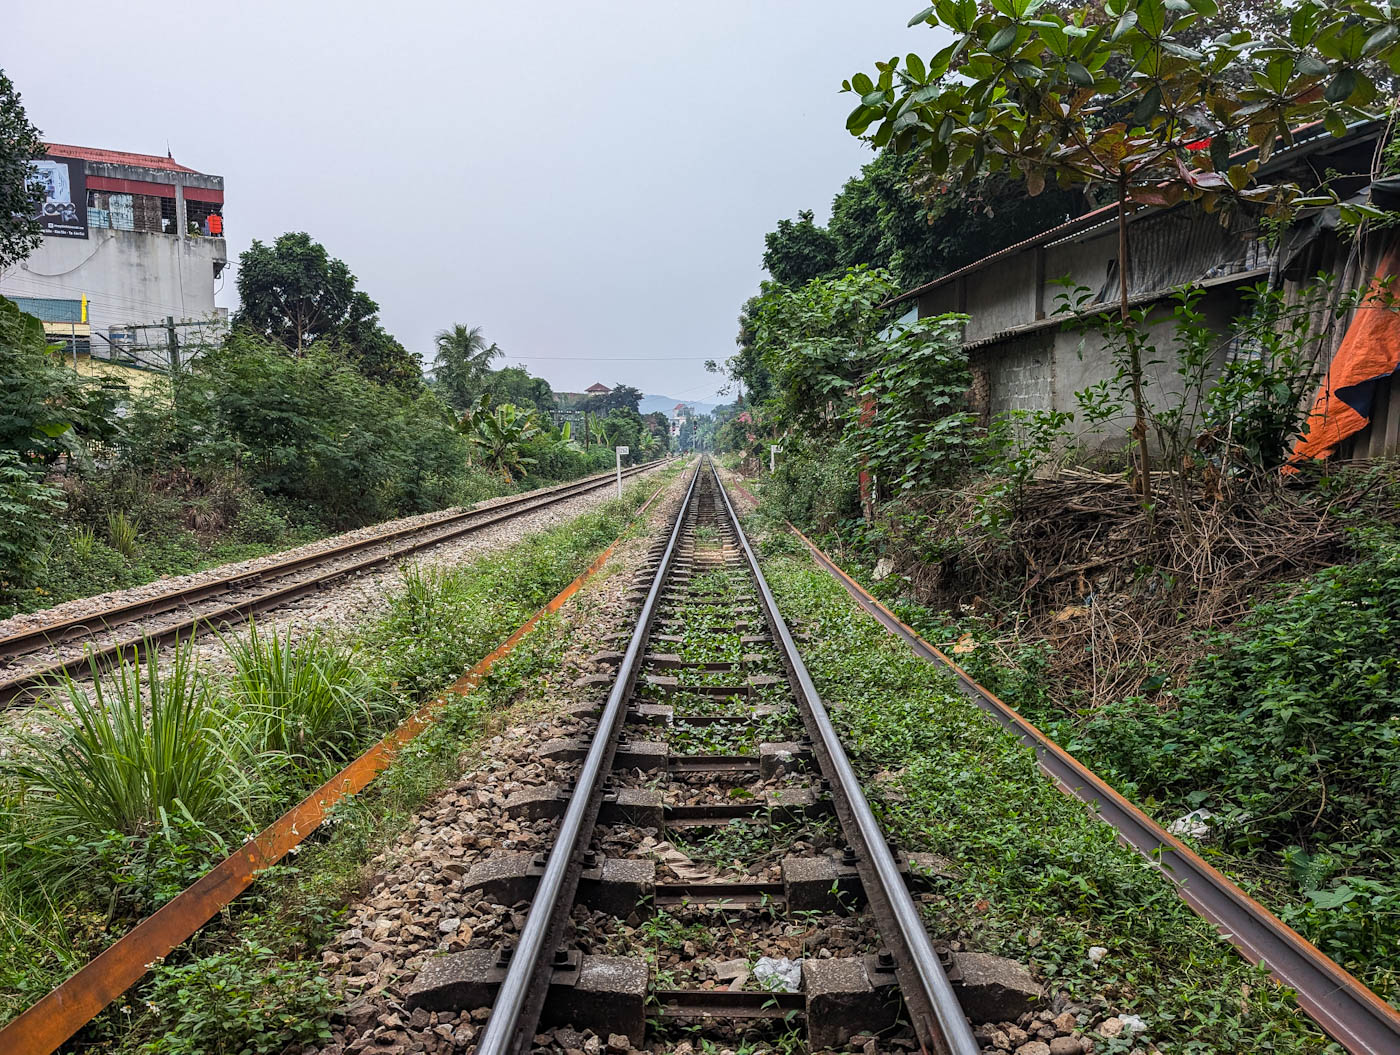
x: 586, y: 182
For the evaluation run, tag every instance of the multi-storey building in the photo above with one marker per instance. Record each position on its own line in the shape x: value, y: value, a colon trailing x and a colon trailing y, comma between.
x: 133, y: 253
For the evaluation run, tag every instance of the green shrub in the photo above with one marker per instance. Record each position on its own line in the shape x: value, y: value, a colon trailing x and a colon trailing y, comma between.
x: 816, y: 485
x: 243, y: 1001
x: 123, y: 533
x: 1288, y: 733
x: 82, y: 542
x: 28, y: 508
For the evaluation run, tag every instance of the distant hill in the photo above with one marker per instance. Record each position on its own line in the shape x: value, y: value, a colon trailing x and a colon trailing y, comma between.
x: 650, y: 404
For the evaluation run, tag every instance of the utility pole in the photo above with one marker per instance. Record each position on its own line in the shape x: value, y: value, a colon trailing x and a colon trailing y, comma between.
x: 773, y: 450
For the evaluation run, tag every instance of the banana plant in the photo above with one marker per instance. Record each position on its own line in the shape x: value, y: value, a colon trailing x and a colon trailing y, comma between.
x: 498, y: 437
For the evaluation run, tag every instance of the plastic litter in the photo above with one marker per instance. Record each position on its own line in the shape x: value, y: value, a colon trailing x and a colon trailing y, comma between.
x: 1133, y: 1024
x: 779, y: 975
x: 1194, y: 824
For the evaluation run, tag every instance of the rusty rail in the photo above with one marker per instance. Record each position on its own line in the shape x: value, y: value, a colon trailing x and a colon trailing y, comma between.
x: 457, y: 525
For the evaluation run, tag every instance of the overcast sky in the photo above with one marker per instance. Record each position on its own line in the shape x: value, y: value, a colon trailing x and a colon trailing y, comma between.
x: 588, y: 182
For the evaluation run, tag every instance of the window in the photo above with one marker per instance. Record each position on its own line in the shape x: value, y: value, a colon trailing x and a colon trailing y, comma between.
x: 131, y: 212
x: 200, y: 211
x: 146, y: 213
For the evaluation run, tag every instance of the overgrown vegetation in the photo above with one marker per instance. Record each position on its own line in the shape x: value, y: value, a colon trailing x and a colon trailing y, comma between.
x: 250, y: 449
x: 1209, y: 626
x: 1037, y: 878
x: 111, y: 810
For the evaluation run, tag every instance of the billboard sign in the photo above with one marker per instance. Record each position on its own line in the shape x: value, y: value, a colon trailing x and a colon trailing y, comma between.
x: 63, y: 210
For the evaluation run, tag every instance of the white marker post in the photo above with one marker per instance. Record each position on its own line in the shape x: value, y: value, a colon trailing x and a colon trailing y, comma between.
x: 773, y: 451
x: 620, y: 452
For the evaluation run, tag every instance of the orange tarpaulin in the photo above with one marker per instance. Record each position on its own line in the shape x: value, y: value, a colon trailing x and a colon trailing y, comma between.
x: 1369, y: 353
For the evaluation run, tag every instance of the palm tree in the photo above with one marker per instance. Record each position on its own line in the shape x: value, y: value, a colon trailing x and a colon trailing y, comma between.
x: 462, y: 363
x: 498, y: 437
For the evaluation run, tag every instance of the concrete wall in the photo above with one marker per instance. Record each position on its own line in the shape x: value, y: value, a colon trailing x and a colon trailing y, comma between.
x: 1000, y: 296
x: 129, y: 277
x: 1022, y: 356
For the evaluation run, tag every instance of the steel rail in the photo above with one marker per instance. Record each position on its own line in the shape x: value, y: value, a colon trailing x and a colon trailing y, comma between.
x: 45, y: 1025
x: 511, y: 1028
x: 61, y: 630
x: 1335, y: 999
x: 933, y: 1006
x: 105, y: 657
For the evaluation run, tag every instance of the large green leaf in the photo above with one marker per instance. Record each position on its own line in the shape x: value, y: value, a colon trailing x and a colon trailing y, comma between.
x: 1079, y: 75
x: 1002, y: 39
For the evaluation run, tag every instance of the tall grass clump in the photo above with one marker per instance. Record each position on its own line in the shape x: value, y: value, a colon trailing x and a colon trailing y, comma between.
x: 307, y: 699
x: 136, y: 752
x: 123, y: 532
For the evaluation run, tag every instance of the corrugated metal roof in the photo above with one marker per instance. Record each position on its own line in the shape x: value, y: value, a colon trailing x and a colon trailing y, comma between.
x: 1309, y: 137
x: 117, y: 157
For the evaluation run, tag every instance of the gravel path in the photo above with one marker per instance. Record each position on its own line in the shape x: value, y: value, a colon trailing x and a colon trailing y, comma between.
x: 338, y: 606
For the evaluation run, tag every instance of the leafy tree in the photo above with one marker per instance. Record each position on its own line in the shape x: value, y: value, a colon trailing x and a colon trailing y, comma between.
x: 295, y: 293
x: 799, y: 251
x: 499, y: 437
x: 20, y: 195
x: 894, y: 215
x: 462, y: 365
x: 658, y: 426
x: 816, y: 342
x: 1024, y: 89
x: 622, y: 397
x: 378, y: 355
x: 515, y: 384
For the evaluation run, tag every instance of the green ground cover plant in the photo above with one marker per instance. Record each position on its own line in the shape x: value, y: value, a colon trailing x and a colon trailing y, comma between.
x: 1282, y: 730
x: 127, y: 858
x: 1038, y: 879
x: 1287, y: 734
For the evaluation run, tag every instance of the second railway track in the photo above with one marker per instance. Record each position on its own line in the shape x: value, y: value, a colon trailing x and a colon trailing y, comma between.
x: 711, y: 735
x: 233, y: 598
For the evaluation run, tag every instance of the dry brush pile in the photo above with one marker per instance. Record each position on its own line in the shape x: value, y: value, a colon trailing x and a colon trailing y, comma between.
x: 1115, y: 589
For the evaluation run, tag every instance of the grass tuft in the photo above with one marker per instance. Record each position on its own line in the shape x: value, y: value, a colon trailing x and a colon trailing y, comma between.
x: 128, y: 754
x: 308, y: 699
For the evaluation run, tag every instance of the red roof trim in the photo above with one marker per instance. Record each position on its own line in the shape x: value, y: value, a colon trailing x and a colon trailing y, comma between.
x: 116, y: 157
x: 131, y: 186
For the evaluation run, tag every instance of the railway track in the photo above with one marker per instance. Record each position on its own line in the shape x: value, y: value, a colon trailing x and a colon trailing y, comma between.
x: 713, y: 737
x: 231, y: 599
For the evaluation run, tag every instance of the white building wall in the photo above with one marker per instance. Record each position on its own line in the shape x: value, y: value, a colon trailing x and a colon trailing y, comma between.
x: 129, y: 277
